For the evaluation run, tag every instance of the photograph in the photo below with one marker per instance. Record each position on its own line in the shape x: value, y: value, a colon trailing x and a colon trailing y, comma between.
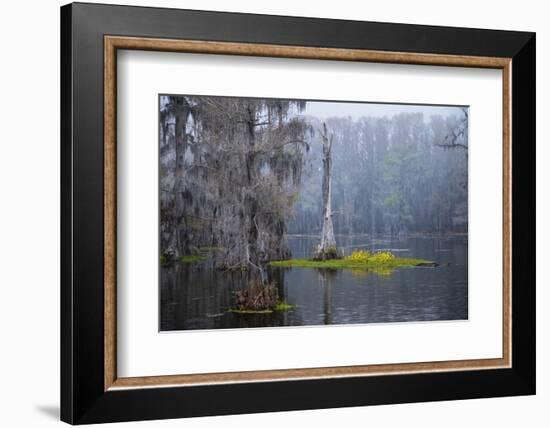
x: 293, y: 212
x: 343, y: 204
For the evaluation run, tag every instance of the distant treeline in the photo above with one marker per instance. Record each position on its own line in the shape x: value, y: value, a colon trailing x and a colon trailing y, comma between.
x: 404, y: 174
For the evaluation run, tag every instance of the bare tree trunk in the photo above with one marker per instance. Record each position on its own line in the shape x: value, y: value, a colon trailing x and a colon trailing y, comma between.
x: 327, y: 247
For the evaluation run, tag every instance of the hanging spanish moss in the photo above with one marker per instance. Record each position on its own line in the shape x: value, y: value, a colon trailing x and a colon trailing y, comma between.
x: 231, y: 168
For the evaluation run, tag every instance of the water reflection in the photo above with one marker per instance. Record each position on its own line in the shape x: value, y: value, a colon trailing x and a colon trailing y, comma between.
x: 195, y: 296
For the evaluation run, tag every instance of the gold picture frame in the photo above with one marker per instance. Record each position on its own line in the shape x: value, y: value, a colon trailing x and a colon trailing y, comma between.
x: 114, y: 43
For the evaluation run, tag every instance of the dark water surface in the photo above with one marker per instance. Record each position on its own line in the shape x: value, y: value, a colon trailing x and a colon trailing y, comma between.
x: 195, y: 296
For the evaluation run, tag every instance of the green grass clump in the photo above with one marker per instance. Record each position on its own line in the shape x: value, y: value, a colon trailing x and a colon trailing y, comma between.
x: 355, y: 261
x: 192, y: 259
x: 250, y: 311
x: 363, y: 256
x: 281, y: 306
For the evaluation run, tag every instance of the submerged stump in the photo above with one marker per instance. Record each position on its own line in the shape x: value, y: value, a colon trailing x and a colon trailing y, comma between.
x: 257, y: 297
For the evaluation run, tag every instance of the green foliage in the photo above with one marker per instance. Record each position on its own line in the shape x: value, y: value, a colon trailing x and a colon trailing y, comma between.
x: 364, y: 256
x: 390, y: 176
x: 382, y: 257
x: 283, y: 306
x: 359, y: 256
x: 361, y: 260
x: 250, y: 311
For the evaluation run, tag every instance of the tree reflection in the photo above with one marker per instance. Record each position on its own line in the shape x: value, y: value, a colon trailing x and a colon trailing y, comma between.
x: 326, y: 280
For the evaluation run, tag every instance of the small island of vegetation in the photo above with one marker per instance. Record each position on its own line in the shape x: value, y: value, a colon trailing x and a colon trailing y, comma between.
x: 359, y: 259
x: 259, y: 299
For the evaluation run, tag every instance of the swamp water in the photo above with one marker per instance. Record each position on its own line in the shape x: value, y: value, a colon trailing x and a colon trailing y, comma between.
x: 195, y: 296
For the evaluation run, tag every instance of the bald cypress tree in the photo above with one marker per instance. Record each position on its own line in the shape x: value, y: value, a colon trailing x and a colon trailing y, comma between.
x: 327, y: 247
x: 237, y: 165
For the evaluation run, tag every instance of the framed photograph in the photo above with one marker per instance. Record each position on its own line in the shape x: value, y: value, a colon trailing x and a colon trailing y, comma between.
x: 266, y: 213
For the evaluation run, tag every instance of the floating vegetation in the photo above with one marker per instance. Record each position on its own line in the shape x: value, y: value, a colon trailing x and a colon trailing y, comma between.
x: 382, y: 262
x: 259, y: 298
x: 250, y: 311
x: 281, y: 306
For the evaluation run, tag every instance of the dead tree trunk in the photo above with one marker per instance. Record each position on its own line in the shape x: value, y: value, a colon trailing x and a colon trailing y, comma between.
x: 327, y: 247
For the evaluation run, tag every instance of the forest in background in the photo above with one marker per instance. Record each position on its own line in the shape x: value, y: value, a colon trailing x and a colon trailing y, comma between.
x: 238, y: 174
x: 400, y: 175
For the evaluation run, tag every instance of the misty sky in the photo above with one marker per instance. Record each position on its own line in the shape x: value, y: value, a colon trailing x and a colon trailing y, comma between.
x: 355, y: 110
x: 325, y: 109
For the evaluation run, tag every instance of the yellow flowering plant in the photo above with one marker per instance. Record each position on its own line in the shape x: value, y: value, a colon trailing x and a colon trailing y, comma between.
x: 363, y: 256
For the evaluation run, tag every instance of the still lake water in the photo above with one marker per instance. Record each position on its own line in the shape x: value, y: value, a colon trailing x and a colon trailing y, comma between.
x: 195, y: 296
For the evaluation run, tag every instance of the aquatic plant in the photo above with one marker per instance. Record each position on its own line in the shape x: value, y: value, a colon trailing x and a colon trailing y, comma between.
x: 259, y: 298
x: 361, y: 260
x: 366, y: 256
